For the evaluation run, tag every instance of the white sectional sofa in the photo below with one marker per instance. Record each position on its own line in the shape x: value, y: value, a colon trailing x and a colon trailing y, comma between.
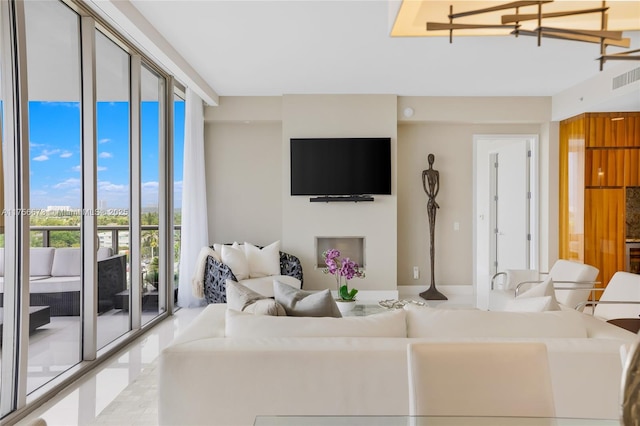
x: 228, y: 367
x: 55, y: 281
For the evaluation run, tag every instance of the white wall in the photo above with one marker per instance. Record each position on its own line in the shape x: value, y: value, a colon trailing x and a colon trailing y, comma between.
x: 598, y: 94
x: 302, y: 221
x: 452, y: 145
x: 248, y: 178
x: 243, y: 168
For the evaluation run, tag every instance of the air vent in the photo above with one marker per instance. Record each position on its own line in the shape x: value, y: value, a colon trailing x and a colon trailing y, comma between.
x: 626, y: 78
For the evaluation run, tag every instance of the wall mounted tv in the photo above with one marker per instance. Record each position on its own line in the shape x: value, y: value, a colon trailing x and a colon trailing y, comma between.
x: 340, y: 166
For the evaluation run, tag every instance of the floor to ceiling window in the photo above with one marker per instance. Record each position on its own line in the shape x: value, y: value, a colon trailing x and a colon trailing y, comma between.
x: 152, y: 122
x: 53, y: 69
x: 2, y: 179
x: 178, y: 156
x: 113, y: 188
x: 88, y: 139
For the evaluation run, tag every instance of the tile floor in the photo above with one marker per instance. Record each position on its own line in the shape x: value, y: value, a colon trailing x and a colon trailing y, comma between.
x: 83, y: 401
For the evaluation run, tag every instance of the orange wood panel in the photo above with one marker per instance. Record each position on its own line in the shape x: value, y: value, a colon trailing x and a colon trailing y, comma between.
x: 571, y: 190
x: 604, y: 167
x: 613, y: 129
x: 632, y: 166
x: 604, y: 231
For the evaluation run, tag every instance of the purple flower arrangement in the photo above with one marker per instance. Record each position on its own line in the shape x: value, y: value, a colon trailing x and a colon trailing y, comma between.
x: 345, y: 268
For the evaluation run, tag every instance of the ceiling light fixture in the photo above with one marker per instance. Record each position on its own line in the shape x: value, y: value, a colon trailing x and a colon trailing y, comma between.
x: 603, y: 36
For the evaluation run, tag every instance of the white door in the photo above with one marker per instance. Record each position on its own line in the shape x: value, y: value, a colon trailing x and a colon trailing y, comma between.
x: 510, y: 213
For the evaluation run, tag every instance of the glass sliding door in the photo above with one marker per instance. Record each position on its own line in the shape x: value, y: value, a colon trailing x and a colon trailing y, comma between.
x: 55, y: 199
x: 84, y: 133
x: 3, y: 33
x: 178, y: 156
x: 152, y: 134
x: 113, y: 189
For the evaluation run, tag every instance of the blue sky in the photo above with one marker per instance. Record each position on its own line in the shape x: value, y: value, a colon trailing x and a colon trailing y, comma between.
x: 55, y: 154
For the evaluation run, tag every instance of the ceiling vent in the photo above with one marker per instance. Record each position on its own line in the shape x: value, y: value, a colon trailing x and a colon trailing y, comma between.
x: 626, y: 78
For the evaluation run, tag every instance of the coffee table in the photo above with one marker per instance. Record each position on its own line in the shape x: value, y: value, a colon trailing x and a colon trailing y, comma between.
x: 364, y: 309
x: 38, y: 316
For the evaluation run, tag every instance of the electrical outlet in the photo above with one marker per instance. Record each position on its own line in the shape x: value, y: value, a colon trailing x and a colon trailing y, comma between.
x: 416, y: 272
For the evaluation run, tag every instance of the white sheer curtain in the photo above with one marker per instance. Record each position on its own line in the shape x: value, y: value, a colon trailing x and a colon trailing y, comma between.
x: 195, y: 234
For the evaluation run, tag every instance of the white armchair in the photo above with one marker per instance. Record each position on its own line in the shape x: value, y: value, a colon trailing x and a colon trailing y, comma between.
x: 620, y: 299
x: 573, y: 283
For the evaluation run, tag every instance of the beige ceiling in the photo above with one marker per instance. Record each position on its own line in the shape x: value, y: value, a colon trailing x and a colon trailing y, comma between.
x: 413, y: 15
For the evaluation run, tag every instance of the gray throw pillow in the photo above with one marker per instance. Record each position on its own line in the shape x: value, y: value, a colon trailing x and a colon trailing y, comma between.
x: 242, y: 298
x: 300, y: 303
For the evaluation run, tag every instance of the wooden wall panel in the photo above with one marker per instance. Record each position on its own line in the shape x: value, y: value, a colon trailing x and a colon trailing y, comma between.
x: 632, y: 166
x: 611, y: 130
x: 604, y: 167
x: 571, y: 191
x: 604, y: 231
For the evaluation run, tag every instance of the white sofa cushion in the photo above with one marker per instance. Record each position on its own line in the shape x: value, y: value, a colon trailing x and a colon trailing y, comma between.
x: 55, y: 285
x: 41, y: 260
x: 300, y: 303
x: 66, y: 262
x: 449, y: 323
x: 263, y: 262
x: 264, y: 285
x: 530, y: 304
x: 234, y: 257
x: 385, y: 324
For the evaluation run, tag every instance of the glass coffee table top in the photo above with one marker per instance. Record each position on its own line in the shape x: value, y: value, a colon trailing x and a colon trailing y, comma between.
x: 425, y: 421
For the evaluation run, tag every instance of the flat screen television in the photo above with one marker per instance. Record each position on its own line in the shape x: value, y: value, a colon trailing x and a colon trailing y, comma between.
x: 340, y: 166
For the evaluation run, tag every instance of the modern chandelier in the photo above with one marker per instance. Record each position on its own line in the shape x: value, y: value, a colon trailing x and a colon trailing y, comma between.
x: 516, y: 20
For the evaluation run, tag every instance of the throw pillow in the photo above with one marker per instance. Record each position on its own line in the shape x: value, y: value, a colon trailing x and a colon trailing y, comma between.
x: 263, y: 262
x: 529, y: 304
x: 241, y: 298
x: 541, y: 290
x: 234, y: 257
x: 300, y: 303
x: 385, y: 324
x: 217, y: 248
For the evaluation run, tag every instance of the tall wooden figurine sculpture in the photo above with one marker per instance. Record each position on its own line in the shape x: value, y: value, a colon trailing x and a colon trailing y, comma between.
x: 431, y: 184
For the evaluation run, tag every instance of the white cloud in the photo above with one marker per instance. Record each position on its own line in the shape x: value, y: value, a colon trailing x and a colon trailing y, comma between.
x: 101, y: 169
x: 50, y: 151
x: 105, y: 155
x: 150, y: 185
x: 111, y: 187
x: 105, y: 140
x: 69, y: 183
x: 64, y: 104
x: 66, y: 154
x: 41, y: 158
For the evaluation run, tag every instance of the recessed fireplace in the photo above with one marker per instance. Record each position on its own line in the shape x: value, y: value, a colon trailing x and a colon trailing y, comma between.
x: 351, y: 247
